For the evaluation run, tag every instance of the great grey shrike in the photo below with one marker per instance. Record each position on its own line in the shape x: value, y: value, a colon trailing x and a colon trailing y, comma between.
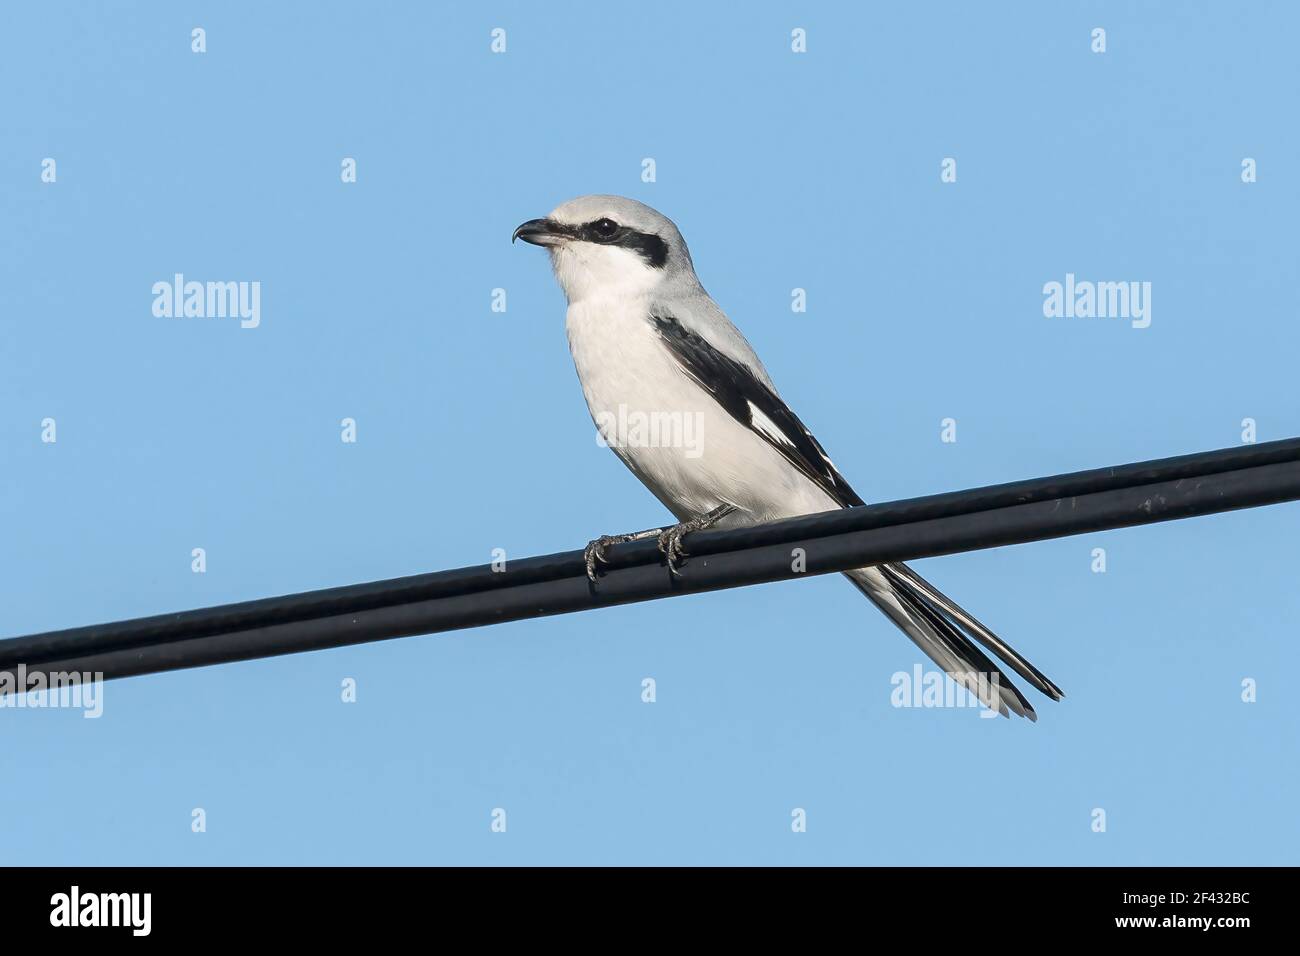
x: 648, y: 341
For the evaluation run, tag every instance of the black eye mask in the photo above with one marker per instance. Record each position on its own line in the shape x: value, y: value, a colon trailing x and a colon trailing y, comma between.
x: 606, y: 232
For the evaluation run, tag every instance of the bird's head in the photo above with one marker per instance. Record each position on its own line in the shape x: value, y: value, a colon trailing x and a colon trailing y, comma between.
x: 610, y: 246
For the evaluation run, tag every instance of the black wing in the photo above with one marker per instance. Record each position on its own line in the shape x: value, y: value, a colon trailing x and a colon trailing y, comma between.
x: 754, y: 405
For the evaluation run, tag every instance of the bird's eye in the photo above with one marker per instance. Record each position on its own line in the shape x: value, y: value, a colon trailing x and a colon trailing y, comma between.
x: 605, y: 228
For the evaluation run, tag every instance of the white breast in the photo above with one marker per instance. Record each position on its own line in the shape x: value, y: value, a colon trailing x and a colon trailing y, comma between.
x: 684, y: 447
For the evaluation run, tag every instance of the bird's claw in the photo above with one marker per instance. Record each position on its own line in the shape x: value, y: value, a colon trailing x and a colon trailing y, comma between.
x: 670, y: 545
x: 670, y: 539
x: 595, y: 553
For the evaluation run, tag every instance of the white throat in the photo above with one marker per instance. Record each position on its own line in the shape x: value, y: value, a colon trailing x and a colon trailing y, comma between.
x: 586, y: 270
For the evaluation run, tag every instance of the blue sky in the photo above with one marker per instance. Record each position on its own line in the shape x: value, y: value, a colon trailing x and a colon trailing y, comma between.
x: 818, y: 171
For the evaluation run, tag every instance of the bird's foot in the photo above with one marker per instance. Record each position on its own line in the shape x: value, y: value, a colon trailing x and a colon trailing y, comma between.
x: 670, y: 539
x: 596, y: 550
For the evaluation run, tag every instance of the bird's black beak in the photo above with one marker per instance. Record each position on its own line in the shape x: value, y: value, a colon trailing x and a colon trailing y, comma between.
x: 542, y: 232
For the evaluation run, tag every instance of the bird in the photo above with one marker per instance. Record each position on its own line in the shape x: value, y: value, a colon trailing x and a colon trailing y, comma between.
x: 650, y: 344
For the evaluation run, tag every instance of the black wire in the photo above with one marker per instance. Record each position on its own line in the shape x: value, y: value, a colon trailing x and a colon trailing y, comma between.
x: 532, y: 587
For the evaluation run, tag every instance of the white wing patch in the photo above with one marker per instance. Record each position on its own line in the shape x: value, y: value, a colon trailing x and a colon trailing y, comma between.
x: 742, y: 391
x: 764, y: 425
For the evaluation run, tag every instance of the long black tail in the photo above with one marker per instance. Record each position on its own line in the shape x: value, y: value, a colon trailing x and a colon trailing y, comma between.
x: 944, y: 631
